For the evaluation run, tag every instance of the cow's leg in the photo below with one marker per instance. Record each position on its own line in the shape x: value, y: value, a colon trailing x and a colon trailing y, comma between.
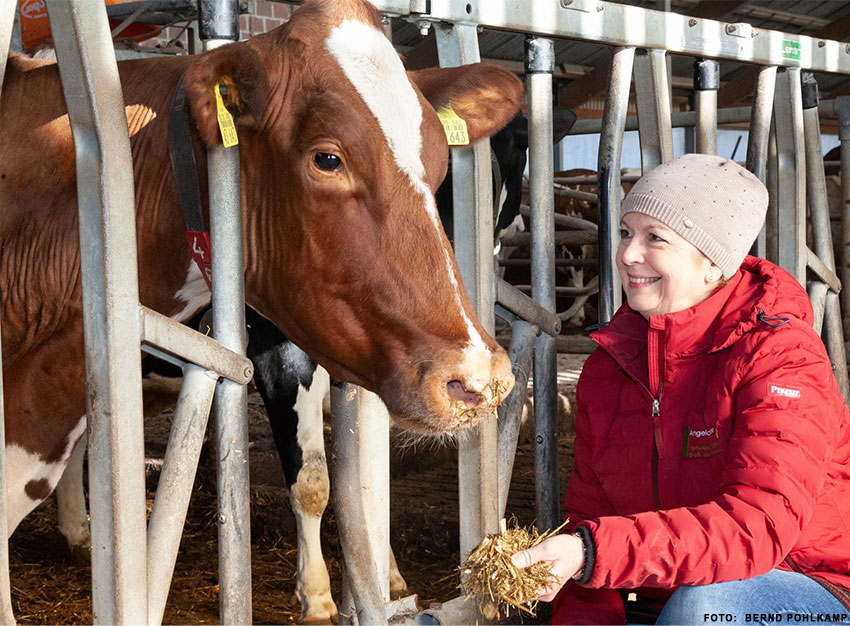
x: 71, y: 505
x: 293, y: 388
x: 30, y: 479
x: 398, y: 586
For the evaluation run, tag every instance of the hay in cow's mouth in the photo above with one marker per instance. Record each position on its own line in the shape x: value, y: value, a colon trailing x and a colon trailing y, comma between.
x: 492, y: 396
x: 491, y: 579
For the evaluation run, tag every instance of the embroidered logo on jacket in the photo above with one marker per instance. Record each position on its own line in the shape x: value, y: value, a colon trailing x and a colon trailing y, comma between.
x: 794, y: 393
x: 700, y: 443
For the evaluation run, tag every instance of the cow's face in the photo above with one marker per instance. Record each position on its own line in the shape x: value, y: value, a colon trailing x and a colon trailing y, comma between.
x: 341, y: 156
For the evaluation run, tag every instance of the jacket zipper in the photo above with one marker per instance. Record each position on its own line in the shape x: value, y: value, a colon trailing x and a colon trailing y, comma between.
x: 656, y: 445
x: 655, y: 353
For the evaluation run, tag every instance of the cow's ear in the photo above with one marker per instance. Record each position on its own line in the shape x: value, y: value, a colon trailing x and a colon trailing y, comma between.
x: 237, y: 67
x: 562, y: 121
x: 486, y: 96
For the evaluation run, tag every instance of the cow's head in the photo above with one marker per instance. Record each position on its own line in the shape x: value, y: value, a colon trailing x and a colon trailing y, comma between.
x: 341, y: 156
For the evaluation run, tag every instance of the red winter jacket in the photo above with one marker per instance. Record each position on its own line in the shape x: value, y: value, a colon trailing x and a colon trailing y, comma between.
x: 711, y: 445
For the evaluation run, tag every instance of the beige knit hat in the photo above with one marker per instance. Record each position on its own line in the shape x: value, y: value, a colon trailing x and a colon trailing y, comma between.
x: 714, y: 203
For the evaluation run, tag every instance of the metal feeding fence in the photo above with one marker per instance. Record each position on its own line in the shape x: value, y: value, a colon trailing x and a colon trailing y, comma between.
x: 132, y: 561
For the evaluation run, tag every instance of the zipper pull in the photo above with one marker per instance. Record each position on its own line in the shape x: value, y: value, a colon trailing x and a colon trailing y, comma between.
x: 656, y: 407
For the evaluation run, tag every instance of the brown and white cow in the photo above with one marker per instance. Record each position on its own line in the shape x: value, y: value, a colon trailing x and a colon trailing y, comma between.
x: 338, y: 147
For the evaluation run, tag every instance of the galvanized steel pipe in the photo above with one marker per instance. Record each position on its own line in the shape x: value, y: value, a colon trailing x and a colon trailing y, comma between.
x: 834, y: 340
x: 539, y: 65
x: 231, y: 406
x: 815, y: 178
x: 843, y: 111
x: 821, y: 228
x: 706, y: 84
x: 791, y: 176
x: 527, y: 308
x: 218, y: 23
x: 374, y: 442
x: 760, y: 117
x: 165, y: 528
x: 758, y: 139
x: 110, y: 297
x: 510, y: 413
x: 218, y: 20
x: 652, y: 97
x: 174, y: 338
x: 457, y: 44
x: 608, y: 168
x: 348, y: 502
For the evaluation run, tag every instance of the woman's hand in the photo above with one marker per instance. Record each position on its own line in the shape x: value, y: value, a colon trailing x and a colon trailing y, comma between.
x: 564, y: 554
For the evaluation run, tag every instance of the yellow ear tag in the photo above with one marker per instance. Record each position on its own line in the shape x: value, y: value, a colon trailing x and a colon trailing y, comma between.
x: 454, y: 125
x: 225, y: 121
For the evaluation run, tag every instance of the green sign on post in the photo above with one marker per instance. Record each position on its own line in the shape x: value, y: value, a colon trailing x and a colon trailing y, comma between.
x: 791, y: 49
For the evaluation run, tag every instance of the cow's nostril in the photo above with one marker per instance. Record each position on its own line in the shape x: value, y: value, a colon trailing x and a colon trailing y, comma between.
x: 458, y: 392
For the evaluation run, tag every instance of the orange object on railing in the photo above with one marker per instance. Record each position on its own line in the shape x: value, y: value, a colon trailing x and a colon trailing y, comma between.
x: 35, y: 26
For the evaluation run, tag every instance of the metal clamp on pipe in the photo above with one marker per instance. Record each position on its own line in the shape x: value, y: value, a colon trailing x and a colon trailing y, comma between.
x: 521, y: 305
x: 809, y: 87
x: 218, y: 19
x: 706, y: 75
x: 539, y: 55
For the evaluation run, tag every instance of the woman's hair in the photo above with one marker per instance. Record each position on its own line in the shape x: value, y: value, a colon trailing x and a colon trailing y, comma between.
x: 721, y: 283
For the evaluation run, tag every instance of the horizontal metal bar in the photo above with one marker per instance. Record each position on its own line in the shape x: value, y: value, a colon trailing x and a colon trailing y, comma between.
x: 125, y: 9
x: 567, y: 221
x: 558, y: 262
x: 623, y: 25
x: 520, y: 304
x: 822, y: 271
x: 564, y: 237
x: 594, y: 179
x: 630, y: 26
x: 686, y: 119
x: 575, y: 344
x: 565, y: 344
x: 587, y: 196
x: 567, y: 291
x: 181, y: 341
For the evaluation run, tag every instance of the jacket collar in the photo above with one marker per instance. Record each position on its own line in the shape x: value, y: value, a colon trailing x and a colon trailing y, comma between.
x: 713, y: 324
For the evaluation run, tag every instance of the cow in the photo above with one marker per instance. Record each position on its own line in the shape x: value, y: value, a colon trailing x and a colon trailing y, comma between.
x: 338, y: 144
x: 294, y: 389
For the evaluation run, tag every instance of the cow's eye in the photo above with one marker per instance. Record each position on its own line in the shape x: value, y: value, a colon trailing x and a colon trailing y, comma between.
x: 327, y: 161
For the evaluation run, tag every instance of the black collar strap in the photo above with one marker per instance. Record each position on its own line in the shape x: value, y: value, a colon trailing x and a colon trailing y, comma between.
x: 185, y: 169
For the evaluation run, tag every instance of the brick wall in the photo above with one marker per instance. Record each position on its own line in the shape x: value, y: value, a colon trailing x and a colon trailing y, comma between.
x: 262, y: 16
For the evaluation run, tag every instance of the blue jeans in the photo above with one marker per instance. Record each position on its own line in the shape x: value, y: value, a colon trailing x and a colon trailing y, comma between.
x: 777, y: 597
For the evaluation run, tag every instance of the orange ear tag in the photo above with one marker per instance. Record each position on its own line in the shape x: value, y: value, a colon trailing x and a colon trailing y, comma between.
x: 454, y: 125
x: 225, y: 121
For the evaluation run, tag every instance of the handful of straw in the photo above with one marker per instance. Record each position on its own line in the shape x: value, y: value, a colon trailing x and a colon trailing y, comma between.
x: 489, y: 576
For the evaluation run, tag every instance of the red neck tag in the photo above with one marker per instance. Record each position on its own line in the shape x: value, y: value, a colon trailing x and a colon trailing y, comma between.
x: 199, y: 245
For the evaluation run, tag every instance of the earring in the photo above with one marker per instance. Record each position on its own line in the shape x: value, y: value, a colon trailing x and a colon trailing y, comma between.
x: 714, y: 274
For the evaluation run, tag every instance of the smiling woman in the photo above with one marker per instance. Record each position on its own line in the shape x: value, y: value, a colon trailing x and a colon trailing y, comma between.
x: 661, y: 271
x: 712, y: 455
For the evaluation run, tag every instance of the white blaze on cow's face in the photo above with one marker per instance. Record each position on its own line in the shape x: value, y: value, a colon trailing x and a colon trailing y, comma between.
x: 369, y: 61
